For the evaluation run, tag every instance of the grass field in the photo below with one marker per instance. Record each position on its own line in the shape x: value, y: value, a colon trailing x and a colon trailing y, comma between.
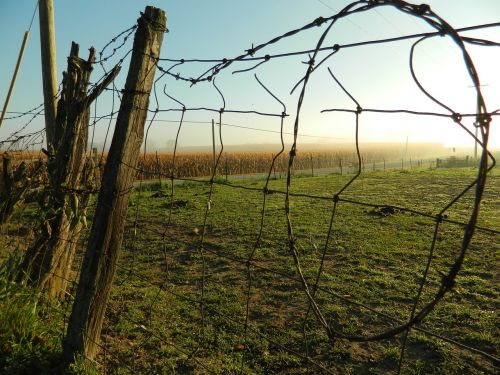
x: 175, y: 250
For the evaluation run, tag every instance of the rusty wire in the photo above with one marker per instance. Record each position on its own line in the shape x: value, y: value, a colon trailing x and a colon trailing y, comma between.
x: 398, y: 327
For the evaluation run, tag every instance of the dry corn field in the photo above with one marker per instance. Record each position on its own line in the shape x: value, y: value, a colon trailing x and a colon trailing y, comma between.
x: 198, y: 164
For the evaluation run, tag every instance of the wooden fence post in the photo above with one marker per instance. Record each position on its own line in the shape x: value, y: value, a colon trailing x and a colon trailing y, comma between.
x: 99, y: 262
x: 49, y: 259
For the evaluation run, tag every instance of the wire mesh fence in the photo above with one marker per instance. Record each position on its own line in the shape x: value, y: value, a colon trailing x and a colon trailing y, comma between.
x: 339, y: 272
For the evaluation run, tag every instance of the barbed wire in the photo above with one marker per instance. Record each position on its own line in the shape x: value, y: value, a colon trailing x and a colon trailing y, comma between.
x: 314, y: 312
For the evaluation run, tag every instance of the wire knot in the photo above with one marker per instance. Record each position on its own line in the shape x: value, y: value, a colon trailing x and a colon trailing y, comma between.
x: 483, y: 119
x: 422, y: 9
x: 251, y: 51
x: 457, y: 117
x: 448, y: 282
x: 319, y: 21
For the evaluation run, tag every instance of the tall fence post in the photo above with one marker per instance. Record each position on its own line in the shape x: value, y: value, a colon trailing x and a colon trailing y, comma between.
x: 99, y: 262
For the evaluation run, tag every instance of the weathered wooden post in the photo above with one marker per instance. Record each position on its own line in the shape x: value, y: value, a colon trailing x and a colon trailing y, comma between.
x: 106, y: 235
x: 49, y: 260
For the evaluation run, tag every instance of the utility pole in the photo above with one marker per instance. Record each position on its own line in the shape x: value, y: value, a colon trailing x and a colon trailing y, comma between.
x: 49, y: 71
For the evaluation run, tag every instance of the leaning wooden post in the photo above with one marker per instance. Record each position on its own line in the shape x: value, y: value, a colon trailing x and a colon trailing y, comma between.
x: 49, y: 73
x: 106, y: 235
x: 49, y: 259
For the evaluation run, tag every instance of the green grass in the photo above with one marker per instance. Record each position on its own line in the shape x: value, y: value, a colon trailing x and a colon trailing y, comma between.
x: 154, y: 322
x: 29, y: 343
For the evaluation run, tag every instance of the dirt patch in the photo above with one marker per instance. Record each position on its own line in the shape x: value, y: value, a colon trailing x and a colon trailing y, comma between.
x: 383, y: 211
x: 177, y: 204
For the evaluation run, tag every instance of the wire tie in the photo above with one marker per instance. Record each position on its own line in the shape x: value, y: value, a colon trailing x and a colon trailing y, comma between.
x: 484, y: 119
x: 448, y: 281
x: 422, y: 9
x: 251, y: 51
x: 457, y: 117
x: 319, y: 21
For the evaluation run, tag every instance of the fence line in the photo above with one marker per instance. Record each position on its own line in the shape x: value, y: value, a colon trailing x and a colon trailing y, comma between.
x: 314, y: 310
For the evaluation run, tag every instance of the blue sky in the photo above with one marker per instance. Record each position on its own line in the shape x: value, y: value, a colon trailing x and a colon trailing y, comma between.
x: 378, y: 76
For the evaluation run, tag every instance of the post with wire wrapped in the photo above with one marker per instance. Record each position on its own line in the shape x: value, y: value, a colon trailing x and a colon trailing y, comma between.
x: 106, y: 235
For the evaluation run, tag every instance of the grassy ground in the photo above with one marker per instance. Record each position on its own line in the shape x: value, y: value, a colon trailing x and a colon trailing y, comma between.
x: 158, y: 322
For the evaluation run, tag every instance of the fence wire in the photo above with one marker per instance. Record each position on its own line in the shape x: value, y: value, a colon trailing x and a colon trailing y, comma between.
x: 323, y: 332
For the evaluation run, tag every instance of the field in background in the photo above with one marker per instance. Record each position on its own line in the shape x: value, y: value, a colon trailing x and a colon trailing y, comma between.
x: 375, y: 257
x: 311, y: 158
